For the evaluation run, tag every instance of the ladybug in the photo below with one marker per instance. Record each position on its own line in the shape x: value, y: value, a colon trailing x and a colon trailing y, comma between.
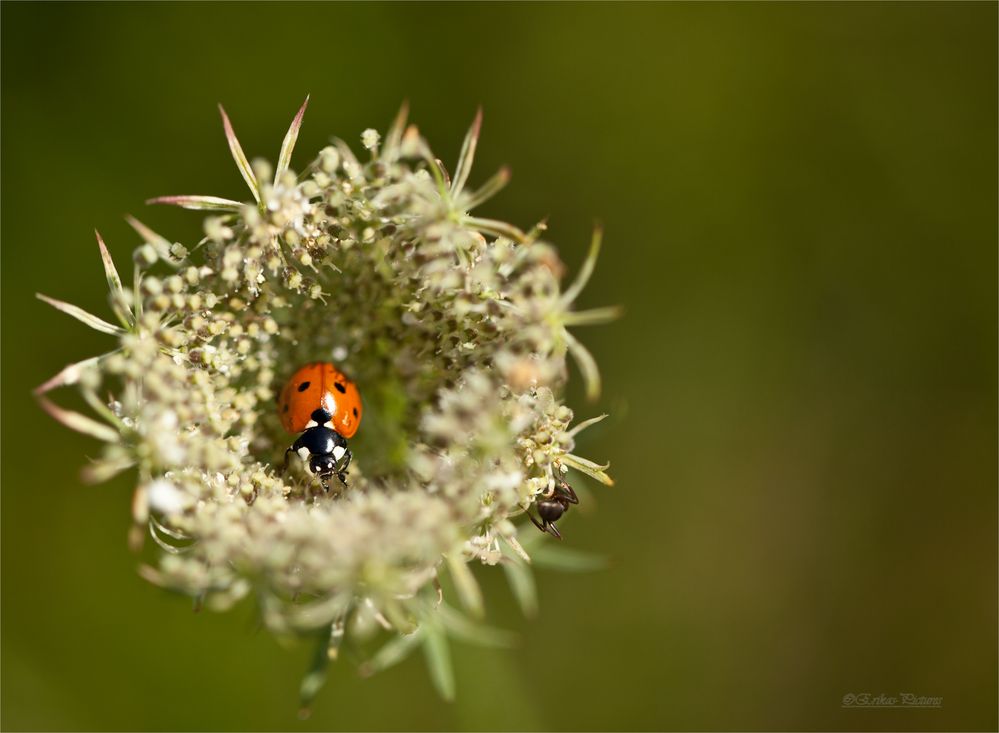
x: 324, y: 405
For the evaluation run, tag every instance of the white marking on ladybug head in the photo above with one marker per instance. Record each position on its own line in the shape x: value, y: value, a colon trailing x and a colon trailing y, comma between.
x: 338, y: 452
x: 311, y: 424
x: 303, y: 453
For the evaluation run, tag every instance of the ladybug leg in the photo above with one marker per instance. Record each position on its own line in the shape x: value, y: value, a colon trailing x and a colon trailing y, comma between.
x: 287, y: 454
x: 342, y: 471
x: 299, y: 443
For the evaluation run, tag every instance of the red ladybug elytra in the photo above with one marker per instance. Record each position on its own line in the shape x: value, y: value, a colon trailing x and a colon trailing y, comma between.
x: 323, y: 404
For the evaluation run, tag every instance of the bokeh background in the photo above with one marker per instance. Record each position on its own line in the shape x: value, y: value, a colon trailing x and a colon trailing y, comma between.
x: 800, y: 207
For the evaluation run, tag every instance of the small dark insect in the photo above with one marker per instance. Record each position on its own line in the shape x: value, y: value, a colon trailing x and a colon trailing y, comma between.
x: 551, y: 508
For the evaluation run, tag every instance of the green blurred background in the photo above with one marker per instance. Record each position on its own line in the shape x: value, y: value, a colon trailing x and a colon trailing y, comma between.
x: 800, y: 206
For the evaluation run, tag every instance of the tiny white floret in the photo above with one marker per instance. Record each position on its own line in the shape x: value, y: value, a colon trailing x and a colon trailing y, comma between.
x: 166, y: 498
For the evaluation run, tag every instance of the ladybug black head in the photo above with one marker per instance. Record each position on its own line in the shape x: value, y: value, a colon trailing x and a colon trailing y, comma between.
x: 322, y: 465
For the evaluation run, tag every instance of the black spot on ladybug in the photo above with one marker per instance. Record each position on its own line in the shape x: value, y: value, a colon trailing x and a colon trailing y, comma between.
x: 355, y: 412
x: 303, y: 386
x: 285, y: 408
x: 339, y: 387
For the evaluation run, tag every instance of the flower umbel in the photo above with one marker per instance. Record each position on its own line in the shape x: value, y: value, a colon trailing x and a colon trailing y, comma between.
x: 454, y: 327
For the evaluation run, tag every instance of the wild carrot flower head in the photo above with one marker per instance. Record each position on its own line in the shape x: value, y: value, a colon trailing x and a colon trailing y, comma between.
x: 455, y: 328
